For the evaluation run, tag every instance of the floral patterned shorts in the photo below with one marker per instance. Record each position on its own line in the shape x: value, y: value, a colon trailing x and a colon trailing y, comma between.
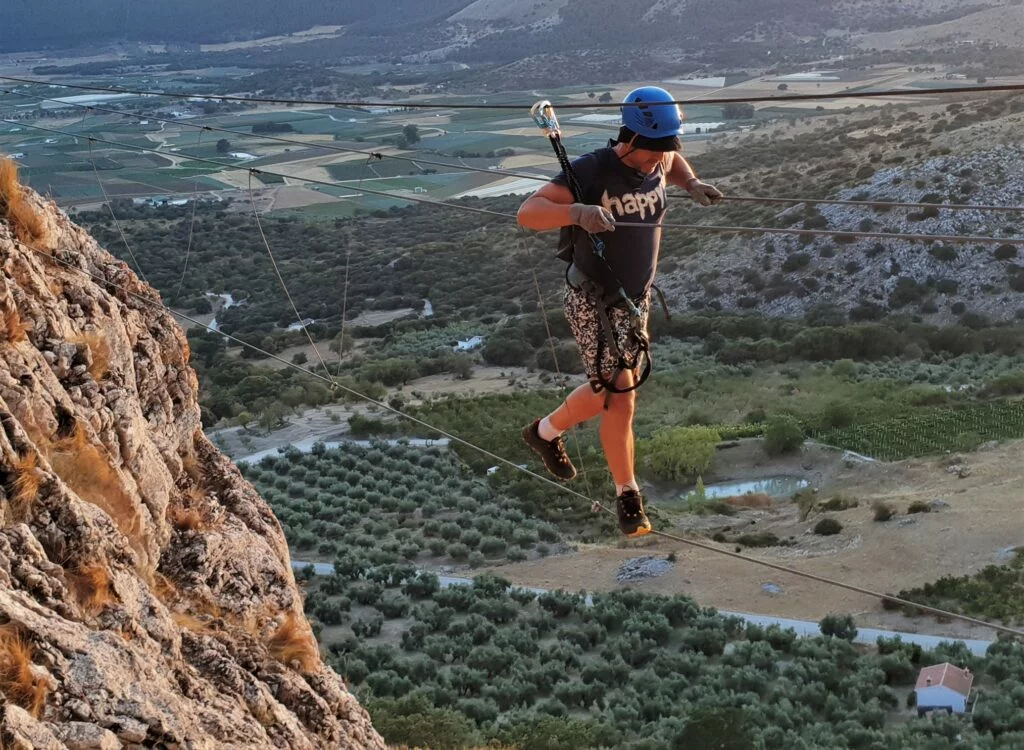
x: 585, y: 323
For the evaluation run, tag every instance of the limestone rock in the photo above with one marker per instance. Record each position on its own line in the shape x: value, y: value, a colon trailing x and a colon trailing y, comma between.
x: 78, y: 736
x: 146, y: 582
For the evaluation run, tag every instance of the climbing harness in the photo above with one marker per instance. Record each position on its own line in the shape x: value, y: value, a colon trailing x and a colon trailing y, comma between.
x: 543, y: 114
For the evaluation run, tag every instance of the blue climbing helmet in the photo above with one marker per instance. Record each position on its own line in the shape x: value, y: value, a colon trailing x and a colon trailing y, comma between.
x: 661, y: 121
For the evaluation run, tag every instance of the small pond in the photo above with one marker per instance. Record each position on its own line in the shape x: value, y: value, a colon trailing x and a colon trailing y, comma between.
x: 773, y: 486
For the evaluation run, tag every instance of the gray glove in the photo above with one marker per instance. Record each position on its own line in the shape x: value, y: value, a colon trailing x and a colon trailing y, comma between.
x: 592, y: 219
x: 703, y: 193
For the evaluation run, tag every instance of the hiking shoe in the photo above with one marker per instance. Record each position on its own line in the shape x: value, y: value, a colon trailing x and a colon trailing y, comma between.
x: 551, y: 452
x: 630, y: 508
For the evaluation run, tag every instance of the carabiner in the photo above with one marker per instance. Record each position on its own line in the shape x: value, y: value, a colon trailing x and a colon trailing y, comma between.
x: 543, y: 113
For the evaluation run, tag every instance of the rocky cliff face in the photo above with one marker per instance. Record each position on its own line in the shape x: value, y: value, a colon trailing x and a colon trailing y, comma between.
x: 146, y: 597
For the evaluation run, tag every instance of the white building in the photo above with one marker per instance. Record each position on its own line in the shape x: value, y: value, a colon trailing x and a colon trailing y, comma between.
x: 943, y: 686
x: 470, y: 344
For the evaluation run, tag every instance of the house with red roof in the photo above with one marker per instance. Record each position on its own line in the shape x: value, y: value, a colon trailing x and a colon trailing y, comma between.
x: 943, y: 686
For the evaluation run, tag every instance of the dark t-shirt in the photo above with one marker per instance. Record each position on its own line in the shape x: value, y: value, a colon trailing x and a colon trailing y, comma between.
x: 632, y: 252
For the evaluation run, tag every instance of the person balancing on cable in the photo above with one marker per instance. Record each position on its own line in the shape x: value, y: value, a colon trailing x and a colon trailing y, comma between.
x: 609, y: 279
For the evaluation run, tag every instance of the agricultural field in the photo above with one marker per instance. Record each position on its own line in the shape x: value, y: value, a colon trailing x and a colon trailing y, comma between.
x: 399, y: 504
x: 460, y: 665
x: 52, y: 162
x: 464, y: 665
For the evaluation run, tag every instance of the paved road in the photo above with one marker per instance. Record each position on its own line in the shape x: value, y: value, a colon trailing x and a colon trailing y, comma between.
x: 804, y: 628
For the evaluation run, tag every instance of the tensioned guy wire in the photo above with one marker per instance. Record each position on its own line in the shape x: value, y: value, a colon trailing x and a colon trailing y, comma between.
x: 356, y: 104
x: 461, y: 165
x: 561, y: 487
x: 709, y: 228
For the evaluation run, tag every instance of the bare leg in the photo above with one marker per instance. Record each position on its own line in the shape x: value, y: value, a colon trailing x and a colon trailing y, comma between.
x: 617, y: 431
x: 581, y: 405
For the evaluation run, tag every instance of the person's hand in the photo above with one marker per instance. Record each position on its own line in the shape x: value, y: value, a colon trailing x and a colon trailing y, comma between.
x: 703, y: 193
x: 593, y: 219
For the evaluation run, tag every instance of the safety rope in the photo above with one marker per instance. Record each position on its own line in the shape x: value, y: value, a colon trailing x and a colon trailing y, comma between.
x: 110, y: 207
x: 344, y: 297
x: 544, y: 116
x: 284, y: 286
x: 388, y: 407
x: 953, y: 239
x: 191, y: 225
x: 461, y: 441
x: 363, y: 104
x: 348, y: 260
x: 554, y: 358
x: 868, y: 203
x: 524, y: 175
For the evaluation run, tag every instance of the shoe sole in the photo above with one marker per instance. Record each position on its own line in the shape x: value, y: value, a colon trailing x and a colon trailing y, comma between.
x: 642, y: 531
x: 528, y: 439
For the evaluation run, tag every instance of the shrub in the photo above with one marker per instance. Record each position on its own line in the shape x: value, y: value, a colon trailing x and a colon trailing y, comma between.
x: 838, y: 503
x: 919, y: 506
x: 906, y: 292
x: 806, y: 501
x: 827, y: 527
x: 1005, y: 252
x: 966, y: 442
x: 783, y: 435
x: 1010, y: 384
x: 393, y: 607
x: 945, y: 253
x: 837, y: 414
x: 679, y: 453
x: 492, y: 546
x: 367, y: 593
x: 368, y: 628
x: 838, y: 626
x: 90, y: 584
x: 566, y: 358
x: 759, y: 539
x: 471, y: 538
x: 883, y: 511
x: 796, y: 261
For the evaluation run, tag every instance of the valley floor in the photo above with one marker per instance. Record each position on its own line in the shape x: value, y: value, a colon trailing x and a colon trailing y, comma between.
x: 979, y: 527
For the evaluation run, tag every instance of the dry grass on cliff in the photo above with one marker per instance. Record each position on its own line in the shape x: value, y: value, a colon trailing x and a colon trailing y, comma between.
x: 87, y: 470
x: 18, y: 682
x: 12, y: 327
x: 24, y: 485
x: 27, y: 225
x: 99, y: 351
x: 193, y: 624
x: 186, y: 519
x: 190, y: 514
x: 294, y: 644
x: 90, y: 585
